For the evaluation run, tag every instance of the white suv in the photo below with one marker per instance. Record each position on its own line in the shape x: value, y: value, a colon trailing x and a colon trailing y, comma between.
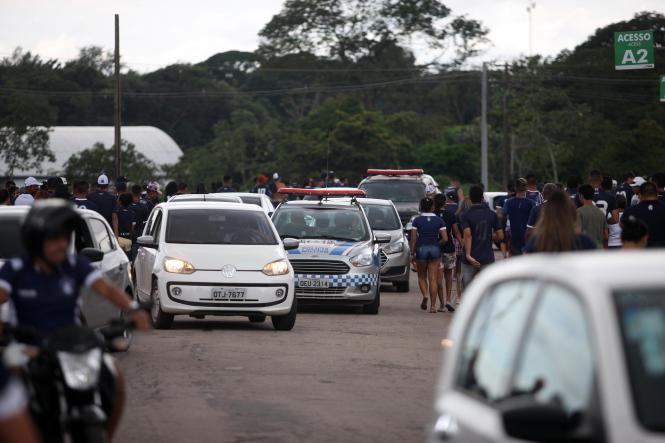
x: 221, y: 259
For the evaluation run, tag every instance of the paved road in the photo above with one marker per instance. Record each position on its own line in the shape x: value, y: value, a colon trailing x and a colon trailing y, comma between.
x: 338, y: 376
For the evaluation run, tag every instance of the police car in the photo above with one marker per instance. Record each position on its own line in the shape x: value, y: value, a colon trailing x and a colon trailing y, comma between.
x: 338, y: 259
x: 404, y: 187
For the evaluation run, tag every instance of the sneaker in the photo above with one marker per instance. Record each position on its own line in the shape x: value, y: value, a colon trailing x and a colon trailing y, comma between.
x: 449, y: 307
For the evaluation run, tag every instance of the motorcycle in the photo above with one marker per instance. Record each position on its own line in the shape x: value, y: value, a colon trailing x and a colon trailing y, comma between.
x: 70, y: 378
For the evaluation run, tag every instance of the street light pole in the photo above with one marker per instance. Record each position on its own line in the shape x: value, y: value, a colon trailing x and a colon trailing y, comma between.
x: 484, y: 176
x: 117, y: 116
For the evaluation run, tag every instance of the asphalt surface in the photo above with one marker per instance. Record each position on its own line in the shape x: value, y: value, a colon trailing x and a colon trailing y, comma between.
x: 339, y: 376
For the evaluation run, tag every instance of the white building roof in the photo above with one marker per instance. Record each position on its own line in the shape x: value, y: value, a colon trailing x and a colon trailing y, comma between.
x: 65, y: 141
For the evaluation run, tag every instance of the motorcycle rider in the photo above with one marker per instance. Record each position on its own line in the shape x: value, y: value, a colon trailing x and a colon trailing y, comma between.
x: 43, y: 287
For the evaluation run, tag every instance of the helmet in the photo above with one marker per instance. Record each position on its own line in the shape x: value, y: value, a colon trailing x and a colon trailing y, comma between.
x: 47, y: 219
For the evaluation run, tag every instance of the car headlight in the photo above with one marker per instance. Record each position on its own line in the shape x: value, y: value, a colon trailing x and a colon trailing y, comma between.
x: 81, y: 371
x: 394, y: 248
x: 279, y: 267
x: 361, y: 260
x: 177, y: 266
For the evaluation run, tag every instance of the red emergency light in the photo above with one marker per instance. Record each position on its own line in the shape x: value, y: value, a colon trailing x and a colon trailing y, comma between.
x: 325, y: 192
x: 395, y: 172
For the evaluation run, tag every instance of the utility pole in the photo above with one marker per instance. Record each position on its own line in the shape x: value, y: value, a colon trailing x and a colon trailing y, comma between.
x: 484, y: 176
x: 117, y: 116
x: 505, y: 151
x: 530, y: 7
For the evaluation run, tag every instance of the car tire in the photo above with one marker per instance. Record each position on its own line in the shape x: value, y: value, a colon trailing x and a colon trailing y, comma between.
x: 286, y: 322
x: 160, y: 319
x: 373, y: 308
x: 257, y: 318
x: 402, y: 286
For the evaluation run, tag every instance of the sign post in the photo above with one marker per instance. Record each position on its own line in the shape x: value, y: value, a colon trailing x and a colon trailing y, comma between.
x: 662, y: 88
x: 633, y: 50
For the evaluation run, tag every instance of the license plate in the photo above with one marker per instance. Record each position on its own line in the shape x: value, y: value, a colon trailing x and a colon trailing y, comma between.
x: 228, y: 294
x: 313, y: 283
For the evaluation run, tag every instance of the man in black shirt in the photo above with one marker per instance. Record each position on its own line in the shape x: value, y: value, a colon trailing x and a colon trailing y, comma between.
x: 228, y: 185
x: 603, y: 199
x: 81, y: 190
x: 105, y: 201
x: 650, y: 211
x: 126, y: 222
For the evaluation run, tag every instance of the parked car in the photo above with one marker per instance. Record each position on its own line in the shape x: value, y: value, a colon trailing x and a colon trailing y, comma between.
x: 205, y: 198
x: 260, y: 200
x: 557, y: 348
x: 114, y: 264
x: 217, y: 259
x: 395, y: 256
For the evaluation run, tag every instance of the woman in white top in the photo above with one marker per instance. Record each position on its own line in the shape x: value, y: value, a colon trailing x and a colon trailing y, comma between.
x: 614, y: 237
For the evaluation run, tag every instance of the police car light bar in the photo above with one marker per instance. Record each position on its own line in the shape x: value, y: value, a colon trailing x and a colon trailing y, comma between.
x: 325, y: 192
x: 395, y: 172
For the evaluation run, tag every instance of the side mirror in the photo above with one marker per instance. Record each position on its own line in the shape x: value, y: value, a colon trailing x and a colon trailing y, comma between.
x: 147, y: 241
x: 382, y: 239
x: 92, y: 254
x: 525, y: 419
x: 291, y: 243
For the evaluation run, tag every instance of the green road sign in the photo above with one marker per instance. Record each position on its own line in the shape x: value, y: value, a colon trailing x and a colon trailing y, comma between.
x: 662, y: 88
x: 633, y: 50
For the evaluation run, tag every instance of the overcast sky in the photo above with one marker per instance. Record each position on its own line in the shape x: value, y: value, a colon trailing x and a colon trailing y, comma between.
x: 155, y: 33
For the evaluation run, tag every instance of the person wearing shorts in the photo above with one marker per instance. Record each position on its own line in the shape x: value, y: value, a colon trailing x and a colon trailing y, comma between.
x: 428, y: 232
x: 448, y: 257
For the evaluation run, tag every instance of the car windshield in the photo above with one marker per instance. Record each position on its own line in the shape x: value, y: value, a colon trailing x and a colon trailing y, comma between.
x: 642, y: 318
x: 10, y: 233
x: 401, y: 191
x: 251, y: 200
x: 382, y: 217
x: 219, y: 227
x: 344, y: 224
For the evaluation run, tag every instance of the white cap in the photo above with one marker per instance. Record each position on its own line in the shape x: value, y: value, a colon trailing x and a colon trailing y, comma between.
x: 639, y: 181
x: 275, y: 176
x: 430, y: 189
x: 103, y: 180
x: 32, y: 181
x: 24, y: 200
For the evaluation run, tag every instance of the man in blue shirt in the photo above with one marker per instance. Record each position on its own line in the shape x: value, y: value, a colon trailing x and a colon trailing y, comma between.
x: 516, y: 210
x: 105, y: 201
x: 625, y: 188
x: 532, y: 192
x: 81, y: 190
x: 604, y: 199
x: 478, y: 224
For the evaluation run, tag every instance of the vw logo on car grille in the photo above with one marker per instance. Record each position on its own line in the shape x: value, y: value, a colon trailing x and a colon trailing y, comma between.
x: 228, y: 271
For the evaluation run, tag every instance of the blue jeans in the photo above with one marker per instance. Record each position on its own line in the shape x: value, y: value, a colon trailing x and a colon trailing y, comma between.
x: 428, y: 252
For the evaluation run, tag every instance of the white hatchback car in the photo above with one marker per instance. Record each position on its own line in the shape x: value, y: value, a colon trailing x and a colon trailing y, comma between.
x: 250, y: 198
x: 219, y: 259
x: 557, y: 348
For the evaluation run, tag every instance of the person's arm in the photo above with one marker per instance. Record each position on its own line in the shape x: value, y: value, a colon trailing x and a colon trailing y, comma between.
x: 18, y: 429
x: 114, y: 222
x: 443, y: 234
x: 615, y: 217
x: 457, y: 234
x: 107, y: 290
x: 467, y: 248
x: 412, y: 240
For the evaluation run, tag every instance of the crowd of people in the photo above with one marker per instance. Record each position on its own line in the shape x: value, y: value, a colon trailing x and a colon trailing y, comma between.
x: 455, y: 237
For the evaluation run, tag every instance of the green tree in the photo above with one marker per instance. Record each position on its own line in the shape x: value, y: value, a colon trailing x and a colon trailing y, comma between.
x: 89, y: 163
x: 348, y: 30
x: 23, y: 147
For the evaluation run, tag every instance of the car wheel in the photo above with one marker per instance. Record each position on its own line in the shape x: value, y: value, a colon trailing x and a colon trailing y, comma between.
x: 257, y: 318
x: 285, y: 322
x: 402, y: 286
x: 160, y: 319
x: 373, y: 308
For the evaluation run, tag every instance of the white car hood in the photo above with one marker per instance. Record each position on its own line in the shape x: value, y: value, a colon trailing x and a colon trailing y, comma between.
x: 214, y: 257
